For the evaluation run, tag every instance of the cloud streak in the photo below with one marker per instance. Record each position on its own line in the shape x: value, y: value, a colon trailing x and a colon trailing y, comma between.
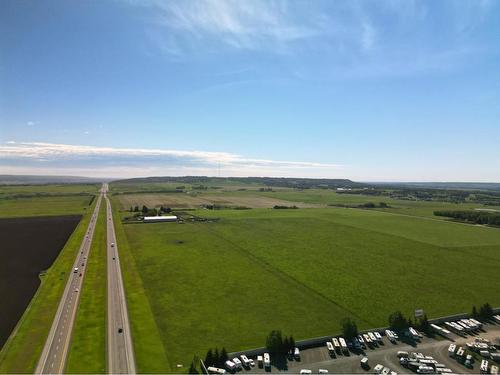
x: 238, y: 24
x: 110, y: 161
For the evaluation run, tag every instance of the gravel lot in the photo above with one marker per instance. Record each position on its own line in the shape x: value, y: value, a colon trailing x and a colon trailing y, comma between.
x: 319, y: 358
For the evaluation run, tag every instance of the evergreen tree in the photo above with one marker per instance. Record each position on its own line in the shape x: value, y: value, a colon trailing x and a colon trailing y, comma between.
x: 486, y: 311
x: 474, y: 313
x: 209, y: 358
x: 223, y: 355
x: 349, y: 328
x: 192, y: 367
x: 274, y: 342
x: 217, y: 358
x: 397, y: 321
x: 424, y: 324
x: 286, y: 345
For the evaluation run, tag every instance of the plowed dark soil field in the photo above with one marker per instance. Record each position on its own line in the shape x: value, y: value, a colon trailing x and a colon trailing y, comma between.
x: 27, y: 247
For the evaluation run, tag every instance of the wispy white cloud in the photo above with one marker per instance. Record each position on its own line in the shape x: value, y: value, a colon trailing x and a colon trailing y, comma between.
x: 38, y: 156
x: 239, y: 24
x: 388, y: 36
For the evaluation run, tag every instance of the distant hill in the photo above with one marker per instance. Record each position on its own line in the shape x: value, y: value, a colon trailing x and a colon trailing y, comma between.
x: 303, y: 183
x: 443, y: 185
x: 40, y: 180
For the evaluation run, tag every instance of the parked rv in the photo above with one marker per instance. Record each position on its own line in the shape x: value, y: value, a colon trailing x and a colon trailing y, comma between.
x: 296, y: 353
x: 364, y: 362
x: 237, y: 362
x: 245, y: 360
x: 260, y: 361
x: 451, y: 350
x: 336, y: 344
x: 216, y: 370
x: 267, y: 360
x: 230, y: 365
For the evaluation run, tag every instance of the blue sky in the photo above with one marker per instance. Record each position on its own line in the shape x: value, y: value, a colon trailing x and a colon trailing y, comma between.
x: 386, y: 90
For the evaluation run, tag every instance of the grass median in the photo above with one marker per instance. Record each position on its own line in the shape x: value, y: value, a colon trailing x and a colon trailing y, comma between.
x: 88, y: 346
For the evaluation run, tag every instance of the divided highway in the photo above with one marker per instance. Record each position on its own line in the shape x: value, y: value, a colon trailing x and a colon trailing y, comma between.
x: 120, y: 349
x: 55, y: 351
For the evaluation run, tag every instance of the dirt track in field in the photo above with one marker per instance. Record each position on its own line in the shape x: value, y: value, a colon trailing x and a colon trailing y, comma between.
x: 28, y: 246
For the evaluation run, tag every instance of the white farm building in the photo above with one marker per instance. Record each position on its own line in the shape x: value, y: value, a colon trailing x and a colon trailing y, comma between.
x: 157, y: 219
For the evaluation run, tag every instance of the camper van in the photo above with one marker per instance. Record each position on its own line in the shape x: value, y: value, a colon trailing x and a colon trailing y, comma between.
x: 364, y: 362
x: 216, y: 370
x: 484, y: 366
x: 260, y: 360
x: 330, y: 347
x: 245, y: 360
x: 451, y: 350
x: 343, y: 345
x: 237, y: 362
x: 230, y: 365
x: 296, y: 353
x: 336, y: 344
x: 267, y: 360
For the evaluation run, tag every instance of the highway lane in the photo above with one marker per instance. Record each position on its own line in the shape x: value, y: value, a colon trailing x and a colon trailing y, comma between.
x: 55, y: 351
x: 120, y: 352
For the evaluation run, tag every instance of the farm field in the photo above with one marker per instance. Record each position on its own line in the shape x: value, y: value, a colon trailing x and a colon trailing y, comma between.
x: 22, y: 350
x: 184, y: 200
x: 310, y: 198
x: 228, y: 283
x: 45, y: 200
x: 29, y: 246
x: 44, y: 206
x: 48, y: 189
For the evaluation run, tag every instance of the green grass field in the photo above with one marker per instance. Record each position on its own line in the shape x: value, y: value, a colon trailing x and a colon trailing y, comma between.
x: 46, y: 200
x: 228, y: 283
x: 6, y: 190
x: 87, y: 352
x: 21, y: 352
x: 44, y: 206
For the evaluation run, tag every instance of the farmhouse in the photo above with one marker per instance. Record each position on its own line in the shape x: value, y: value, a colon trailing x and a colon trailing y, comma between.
x: 156, y: 219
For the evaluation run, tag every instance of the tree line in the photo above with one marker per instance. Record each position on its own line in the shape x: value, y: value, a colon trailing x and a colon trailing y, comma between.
x: 475, y: 217
x: 146, y: 211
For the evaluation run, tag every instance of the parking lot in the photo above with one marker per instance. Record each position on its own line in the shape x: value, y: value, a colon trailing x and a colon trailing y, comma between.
x: 385, y: 354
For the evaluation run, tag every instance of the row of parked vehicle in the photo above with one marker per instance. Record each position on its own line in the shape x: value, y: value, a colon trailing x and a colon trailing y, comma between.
x: 422, y: 364
x: 339, y: 345
x: 464, y: 326
x: 481, y: 346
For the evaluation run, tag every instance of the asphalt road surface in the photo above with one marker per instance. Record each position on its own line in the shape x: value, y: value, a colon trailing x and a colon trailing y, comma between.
x: 55, y: 351
x: 120, y: 349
